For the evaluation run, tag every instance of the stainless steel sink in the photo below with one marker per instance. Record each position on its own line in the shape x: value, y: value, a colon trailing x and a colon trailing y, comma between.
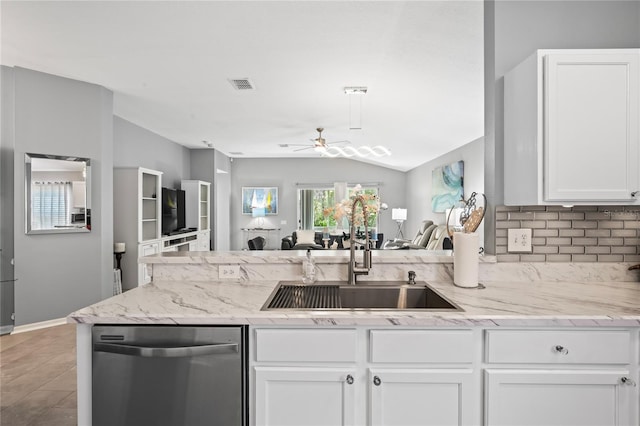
x: 381, y: 295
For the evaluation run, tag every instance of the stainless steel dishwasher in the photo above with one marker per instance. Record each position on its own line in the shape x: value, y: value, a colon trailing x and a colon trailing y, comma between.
x: 169, y: 375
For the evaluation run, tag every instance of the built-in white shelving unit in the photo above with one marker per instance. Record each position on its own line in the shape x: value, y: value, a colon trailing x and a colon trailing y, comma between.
x: 149, y: 210
x: 137, y: 200
x: 137, y: 219
x: 198, y: 211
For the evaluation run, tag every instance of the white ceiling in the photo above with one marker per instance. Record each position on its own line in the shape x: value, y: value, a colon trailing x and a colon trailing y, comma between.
x: 168, y: 64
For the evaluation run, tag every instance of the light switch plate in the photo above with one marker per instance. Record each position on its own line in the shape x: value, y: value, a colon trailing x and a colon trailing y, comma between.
x: 519, y: 241
x: 229, y: 272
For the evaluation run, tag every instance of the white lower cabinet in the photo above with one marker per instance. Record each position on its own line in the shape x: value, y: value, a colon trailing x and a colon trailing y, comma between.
x: 304, y: 396
x: 558, y: 397
x: 426, y: 397
x: 363, y: 376
x: 144, y: 270
x: 560, y: 377
x: 444, y: 376
x: 203, y: 241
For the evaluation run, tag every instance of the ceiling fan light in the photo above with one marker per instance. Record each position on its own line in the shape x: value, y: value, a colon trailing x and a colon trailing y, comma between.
x: 358, y: 90
x: 362, y: 151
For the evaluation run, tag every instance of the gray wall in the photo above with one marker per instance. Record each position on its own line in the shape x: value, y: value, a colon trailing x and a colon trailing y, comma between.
x: 59, y: 273
x: 419, y: 185
x: 6, y: 200
x: 514, y: 30
x: 285, y: 173
x: 135, y: 146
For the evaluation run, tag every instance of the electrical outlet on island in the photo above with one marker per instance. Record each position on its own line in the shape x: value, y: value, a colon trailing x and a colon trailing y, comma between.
x: 229, y: 272
x: 519, y: 241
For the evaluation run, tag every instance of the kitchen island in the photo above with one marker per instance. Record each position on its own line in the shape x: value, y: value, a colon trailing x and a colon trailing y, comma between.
x: 512, y: 343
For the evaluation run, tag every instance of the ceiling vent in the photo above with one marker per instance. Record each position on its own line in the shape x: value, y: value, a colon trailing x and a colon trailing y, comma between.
x: 241, y: 83
x: 283, y: 145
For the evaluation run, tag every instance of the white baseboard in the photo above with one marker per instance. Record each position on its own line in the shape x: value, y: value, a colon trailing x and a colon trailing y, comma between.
x: 39, y: 325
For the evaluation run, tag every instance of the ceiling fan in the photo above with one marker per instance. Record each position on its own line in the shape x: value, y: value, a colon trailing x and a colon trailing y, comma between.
x: 319, y: 142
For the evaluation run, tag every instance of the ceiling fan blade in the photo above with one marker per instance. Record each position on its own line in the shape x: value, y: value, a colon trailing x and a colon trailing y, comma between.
x: 337, y: 142
x: 298, y: 144
x: 302, y: 149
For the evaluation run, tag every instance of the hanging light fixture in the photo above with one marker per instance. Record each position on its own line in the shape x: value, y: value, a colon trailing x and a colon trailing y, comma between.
x: 355, y: 94
x: 352, y: 151
x: 355, y: 106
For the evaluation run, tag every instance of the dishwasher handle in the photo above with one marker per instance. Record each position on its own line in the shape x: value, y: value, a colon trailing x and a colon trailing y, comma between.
x: 166, y: 352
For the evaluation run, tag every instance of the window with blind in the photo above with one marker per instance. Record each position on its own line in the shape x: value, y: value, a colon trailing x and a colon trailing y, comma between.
x: 50, y: 204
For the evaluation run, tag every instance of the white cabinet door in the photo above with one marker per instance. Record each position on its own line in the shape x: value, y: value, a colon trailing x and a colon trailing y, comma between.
x: 304, y: 396
x: 144, y: 270
x: 558, y: 397
x: 422, y: 397
x: 203, y: 241
x: 591, y: 126
x: 149, y: 204
x: 572, y: 128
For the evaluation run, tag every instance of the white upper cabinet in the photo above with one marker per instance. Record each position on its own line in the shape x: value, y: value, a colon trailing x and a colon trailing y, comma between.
x: 198, y: 210
x: 571, y: 128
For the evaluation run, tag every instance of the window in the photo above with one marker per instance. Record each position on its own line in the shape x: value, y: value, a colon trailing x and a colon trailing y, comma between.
x: 314, y: 201
x: 50, y: 204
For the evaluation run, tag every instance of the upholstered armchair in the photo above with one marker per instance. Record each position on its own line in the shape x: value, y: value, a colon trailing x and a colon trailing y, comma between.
x: 302, y: 240
x: 420, y: 241
x: 256, y: 243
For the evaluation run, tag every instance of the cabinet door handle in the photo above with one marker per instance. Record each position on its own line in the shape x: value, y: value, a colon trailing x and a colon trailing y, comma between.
x: 634, y: 193
x: 349, y: 379
x: 376, y: 380
x: 627, y: 381
x: 561, y: 350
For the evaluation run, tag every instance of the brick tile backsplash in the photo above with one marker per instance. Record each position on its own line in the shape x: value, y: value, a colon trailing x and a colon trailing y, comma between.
x: 571, y: 234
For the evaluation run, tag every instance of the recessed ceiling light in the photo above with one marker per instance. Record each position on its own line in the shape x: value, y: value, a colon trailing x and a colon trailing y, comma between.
x: 235, y: 153
x: 208, y: 144
x: 283, y: 145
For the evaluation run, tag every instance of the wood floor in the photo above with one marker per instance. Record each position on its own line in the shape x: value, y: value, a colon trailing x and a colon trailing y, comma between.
x: 38, y: 377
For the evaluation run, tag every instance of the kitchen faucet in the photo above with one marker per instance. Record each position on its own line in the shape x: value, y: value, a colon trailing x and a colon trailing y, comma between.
x: 354, y: 270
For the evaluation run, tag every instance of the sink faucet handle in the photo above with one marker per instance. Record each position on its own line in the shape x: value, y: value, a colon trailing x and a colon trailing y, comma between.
x: 367, y: 262
x: 412, y: 277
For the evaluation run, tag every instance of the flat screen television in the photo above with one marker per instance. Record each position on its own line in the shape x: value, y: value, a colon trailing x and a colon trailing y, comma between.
x: 181, y: 212
x: 169, y: 211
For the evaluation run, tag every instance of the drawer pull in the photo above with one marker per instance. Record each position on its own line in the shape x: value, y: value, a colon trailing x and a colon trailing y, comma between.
x: 376, y: 380
x: 627, y: 381
x: 349, y: 379
x: 561, y: 350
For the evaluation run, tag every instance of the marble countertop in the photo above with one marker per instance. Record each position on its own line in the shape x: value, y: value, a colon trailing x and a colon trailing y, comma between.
x: 296, y: 256
x: 542, y: 303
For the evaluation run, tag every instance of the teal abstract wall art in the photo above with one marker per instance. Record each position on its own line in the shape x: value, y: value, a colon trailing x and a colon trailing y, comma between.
x: 447, y: 186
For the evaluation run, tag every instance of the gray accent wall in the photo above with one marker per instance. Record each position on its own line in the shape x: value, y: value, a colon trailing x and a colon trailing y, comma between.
x: 60, y: 273
x: 514, y: 30
x: 135, y: 146
x: 286, y: 173
x: 6, y: 201
x: 419, y: 182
